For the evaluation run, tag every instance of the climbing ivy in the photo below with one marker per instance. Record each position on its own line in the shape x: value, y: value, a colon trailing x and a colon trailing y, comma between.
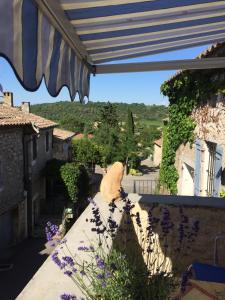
x: 185, y: 91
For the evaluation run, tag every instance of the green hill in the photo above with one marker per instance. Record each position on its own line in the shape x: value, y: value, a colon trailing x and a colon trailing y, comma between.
x: 77, y: 117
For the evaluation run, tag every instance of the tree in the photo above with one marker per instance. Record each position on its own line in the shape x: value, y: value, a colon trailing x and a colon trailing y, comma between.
x: 130, y: 123
x: 108, y: 134
x: 108, y: 115
x: 73, y: 124
x: 86, y: 152
x: 130, y: 142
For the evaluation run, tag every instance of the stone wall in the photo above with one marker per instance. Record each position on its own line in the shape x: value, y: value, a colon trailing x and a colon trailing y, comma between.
x: 11, y: 158
x: 37, y: 166
x: 42, y: 155
x: 189, y: 230
x: 210, y: 126
x: 210, y: 120
x: 62, y: 149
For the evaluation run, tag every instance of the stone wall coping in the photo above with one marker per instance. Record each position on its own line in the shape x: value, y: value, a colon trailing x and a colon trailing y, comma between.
x: 212, y: 202
x: 49, y: 282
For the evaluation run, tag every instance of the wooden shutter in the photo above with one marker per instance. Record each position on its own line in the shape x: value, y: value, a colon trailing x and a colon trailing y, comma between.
x: 197, y: 172
x: 218, y: 171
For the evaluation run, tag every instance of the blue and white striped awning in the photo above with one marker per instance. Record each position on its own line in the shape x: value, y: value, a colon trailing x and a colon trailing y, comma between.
x: 121, y: 29
x: 62, y: 39
x: 35, y: 48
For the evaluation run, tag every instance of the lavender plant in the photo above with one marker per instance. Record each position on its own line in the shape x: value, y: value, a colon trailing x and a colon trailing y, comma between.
x: 113, y: 275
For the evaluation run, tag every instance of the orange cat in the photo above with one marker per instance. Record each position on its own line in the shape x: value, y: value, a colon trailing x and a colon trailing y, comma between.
x: 110, y: 187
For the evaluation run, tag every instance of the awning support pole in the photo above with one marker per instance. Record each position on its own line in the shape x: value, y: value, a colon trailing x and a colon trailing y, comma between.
x: 188, y: 64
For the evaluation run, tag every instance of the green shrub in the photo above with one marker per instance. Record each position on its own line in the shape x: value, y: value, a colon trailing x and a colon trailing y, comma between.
x: 76, y: 180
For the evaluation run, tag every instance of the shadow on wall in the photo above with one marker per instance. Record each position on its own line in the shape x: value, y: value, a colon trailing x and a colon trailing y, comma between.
x: 183, y: 234
x: 126, y: 242
x: 170, y: 237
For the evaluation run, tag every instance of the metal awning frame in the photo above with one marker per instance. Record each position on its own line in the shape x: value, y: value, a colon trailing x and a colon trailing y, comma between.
x: 188, y: 64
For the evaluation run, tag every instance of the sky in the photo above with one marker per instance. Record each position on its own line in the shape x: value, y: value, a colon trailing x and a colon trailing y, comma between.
x: 142, y: 87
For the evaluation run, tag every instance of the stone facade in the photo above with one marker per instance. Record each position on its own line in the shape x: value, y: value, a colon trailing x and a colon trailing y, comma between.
x: 36, y: 167
x: 62, y: 144
x: 62, y: 149
x: 210, y: 129
x: 13, y: 202
x: 25, y: 147
x: 11, y: 158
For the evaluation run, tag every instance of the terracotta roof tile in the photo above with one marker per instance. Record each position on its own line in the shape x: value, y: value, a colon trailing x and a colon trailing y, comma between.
x: 13, y: 116
x: 62, y: 134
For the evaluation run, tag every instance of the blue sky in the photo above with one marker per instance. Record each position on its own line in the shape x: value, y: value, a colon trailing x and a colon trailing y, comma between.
x: 133, y: 87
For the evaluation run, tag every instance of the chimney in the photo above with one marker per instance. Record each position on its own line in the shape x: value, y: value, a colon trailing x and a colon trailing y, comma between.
x: 25, y: 107
x: 8, y: 99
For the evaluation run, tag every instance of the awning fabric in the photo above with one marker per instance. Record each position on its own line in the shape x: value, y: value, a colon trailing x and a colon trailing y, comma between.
x: 62, y: 39
x: 121, y: 29
x: 36, y: 49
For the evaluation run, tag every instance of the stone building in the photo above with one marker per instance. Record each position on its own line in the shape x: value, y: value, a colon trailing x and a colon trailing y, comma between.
x: 157, y: 156
x: 62, y: 144
x: 25, y: 147
x: 201, y: 165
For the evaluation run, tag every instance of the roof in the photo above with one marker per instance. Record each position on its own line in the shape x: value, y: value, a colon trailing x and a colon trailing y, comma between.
x: 13, y: 116
x: 62, y: 134
x: 9, y: 116
x: 158, y: 142
x: 215, y: 50
x: 81, y: 136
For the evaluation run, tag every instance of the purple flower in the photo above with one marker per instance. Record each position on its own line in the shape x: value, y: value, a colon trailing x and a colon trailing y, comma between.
x: 68, y: 273
x: 68, y: 260
x: 68, y: 297
x: 100, y: 262
x: 83, y: 248
x: 56, y: 259
x: 51, y: 230
x: 100, y: 276
x: 108, y: 274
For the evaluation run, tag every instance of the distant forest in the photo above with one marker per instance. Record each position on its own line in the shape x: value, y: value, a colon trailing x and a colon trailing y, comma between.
x: 85, y: 118
x: 81, y: 117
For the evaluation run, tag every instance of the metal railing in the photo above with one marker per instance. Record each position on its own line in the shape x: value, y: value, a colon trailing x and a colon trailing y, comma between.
x: 151, y: 187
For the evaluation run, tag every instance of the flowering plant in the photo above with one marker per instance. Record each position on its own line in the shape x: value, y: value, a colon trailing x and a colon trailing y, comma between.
x: 117, y: 274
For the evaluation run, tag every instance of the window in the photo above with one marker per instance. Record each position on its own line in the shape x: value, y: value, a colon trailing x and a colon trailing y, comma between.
x: 34, y: 147
x: 47, y: 141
